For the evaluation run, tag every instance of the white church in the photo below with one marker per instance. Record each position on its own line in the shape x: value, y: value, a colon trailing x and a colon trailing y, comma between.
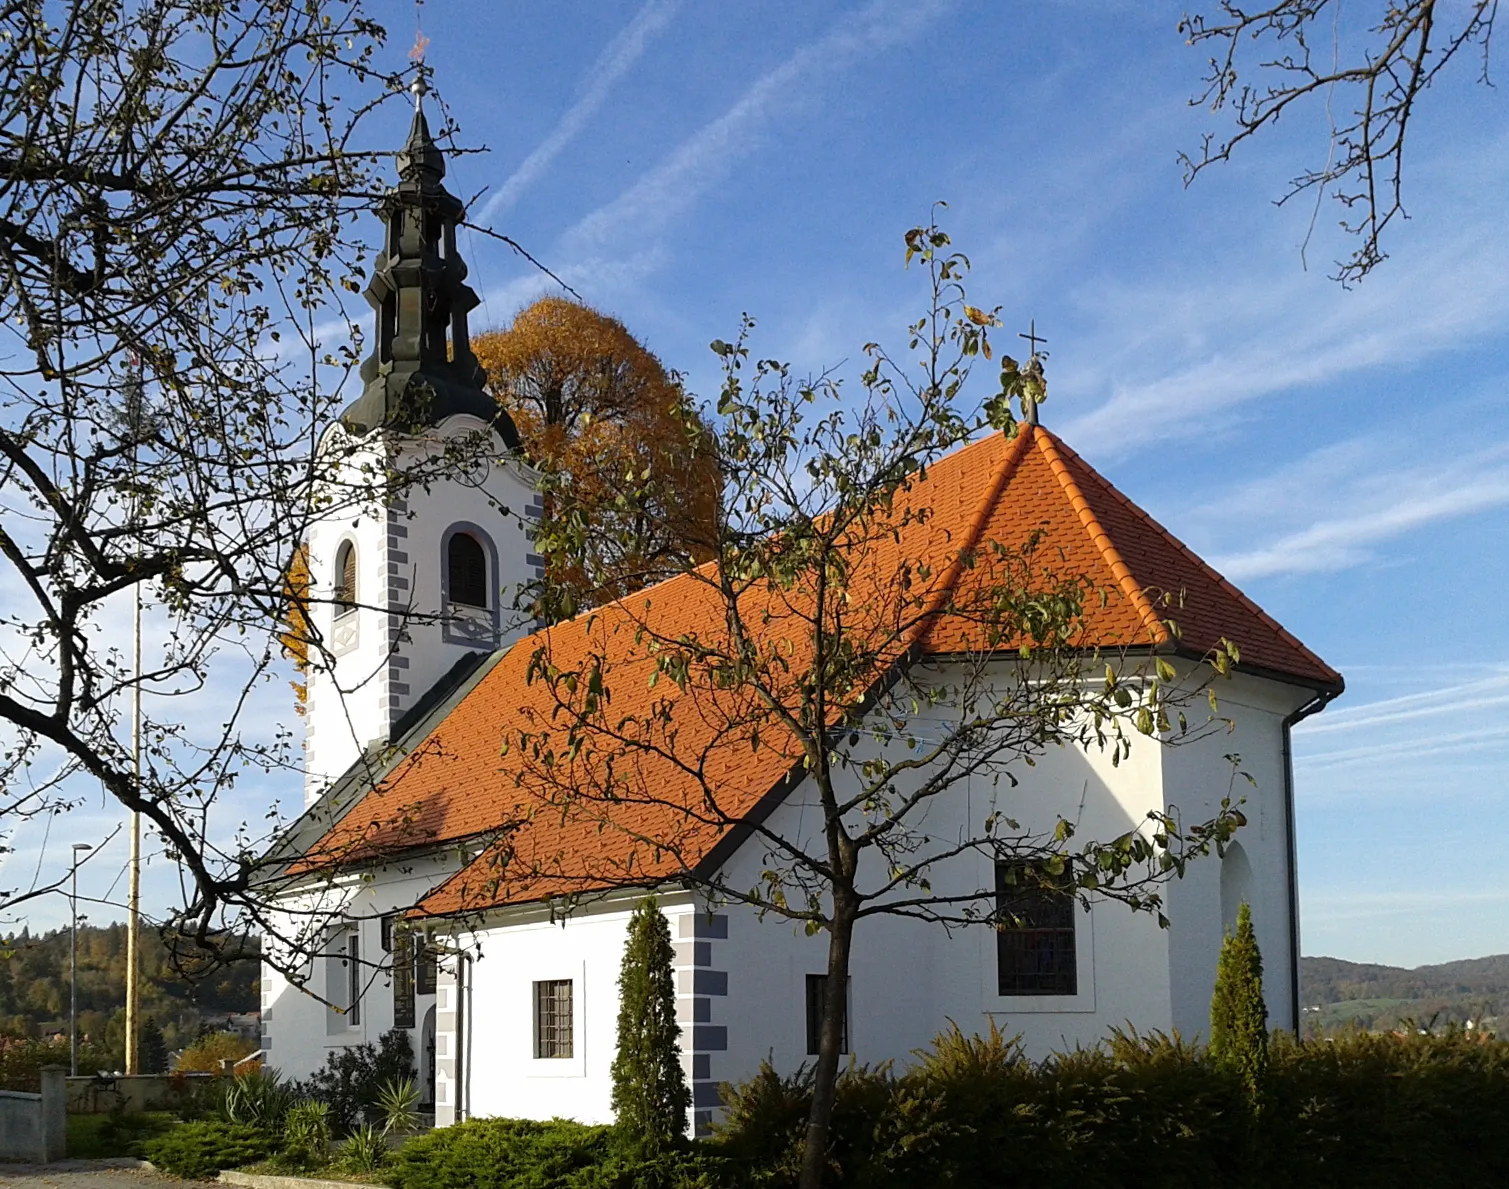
x: 507, y: 988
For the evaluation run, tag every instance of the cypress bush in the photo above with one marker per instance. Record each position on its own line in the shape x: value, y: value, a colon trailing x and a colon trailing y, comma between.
x: 1238, y: 1014
x: 650, y: 1094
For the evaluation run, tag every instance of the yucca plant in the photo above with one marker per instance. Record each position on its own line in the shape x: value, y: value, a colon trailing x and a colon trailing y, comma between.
x: 398, y: 1103
x: 256, y: 1099
x: 366, y: 1151
x: 306, y: 1134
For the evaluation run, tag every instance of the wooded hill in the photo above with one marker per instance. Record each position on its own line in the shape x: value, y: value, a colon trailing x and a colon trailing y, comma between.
x: 34, y: 986
x: 1336, y: 993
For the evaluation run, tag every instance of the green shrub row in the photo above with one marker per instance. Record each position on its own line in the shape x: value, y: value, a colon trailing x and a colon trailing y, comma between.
x: 560, y: 1154
x: 197, y: 1151
x: 1413, y: 1112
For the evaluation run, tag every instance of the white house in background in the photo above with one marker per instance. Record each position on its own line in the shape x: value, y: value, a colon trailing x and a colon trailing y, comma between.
x: 517, y: 1013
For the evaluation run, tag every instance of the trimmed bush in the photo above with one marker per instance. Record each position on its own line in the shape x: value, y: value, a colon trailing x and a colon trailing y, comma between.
x: 560, y: 1154
x: 197, y: 1151
x: 1389, y: 1112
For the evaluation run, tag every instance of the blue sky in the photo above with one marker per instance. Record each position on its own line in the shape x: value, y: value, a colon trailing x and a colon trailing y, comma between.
x: 1341, y: 455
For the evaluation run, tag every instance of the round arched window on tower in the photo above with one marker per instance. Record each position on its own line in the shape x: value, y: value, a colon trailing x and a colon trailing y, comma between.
x: 466, y: 570
x: 345, y: 579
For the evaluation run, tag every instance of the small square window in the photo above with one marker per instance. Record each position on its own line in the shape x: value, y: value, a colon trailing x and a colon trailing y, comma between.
x: 553, y: 1034
x: 817, y: 997
x: 1035, y: 945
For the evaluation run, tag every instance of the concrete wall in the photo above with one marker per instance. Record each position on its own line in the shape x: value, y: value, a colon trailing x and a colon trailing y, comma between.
x: 34, y: 1127
x: 97, y: 1095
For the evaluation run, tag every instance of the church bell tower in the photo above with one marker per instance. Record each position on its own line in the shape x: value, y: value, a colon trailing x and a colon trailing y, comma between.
x: 419, y: 565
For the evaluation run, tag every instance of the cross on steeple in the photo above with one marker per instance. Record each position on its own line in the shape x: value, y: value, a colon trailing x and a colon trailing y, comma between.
x: 1032, y: 337
x: 1033, y: 388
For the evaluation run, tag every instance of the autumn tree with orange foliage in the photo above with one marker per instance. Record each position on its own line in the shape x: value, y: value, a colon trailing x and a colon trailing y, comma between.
x: 634, y: 482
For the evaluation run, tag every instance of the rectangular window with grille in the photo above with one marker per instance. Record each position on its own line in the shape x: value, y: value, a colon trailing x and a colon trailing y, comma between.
x: 817, y: 998
x: 1034, y: 936
x: 553, y: 1035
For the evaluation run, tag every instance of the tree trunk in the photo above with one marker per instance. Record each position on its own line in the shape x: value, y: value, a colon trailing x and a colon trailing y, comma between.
x: 825, y: 1084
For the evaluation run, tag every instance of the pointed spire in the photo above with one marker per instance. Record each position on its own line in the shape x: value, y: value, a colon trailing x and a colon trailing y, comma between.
x: 421, y: 159
x: 422, y: 369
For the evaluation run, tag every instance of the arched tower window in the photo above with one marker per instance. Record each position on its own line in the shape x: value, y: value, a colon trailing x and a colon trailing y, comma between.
x: 466, y: 570
x: 1236, y: 884
x: 345, y: 578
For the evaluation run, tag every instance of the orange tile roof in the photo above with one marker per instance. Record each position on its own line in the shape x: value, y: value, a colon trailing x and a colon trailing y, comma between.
x: 1031, y: 493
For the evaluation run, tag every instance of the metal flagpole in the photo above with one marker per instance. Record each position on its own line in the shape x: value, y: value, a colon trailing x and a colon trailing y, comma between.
x: 73, y: 960
x: 133, y: 898
x: 135, y: 412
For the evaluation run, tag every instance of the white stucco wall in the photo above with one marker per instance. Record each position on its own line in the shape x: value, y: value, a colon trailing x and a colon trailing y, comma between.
x: 910, y: 978
x: 405, y: 634
x: 299, y: 1031
x: 742, y: 981
x: 1196, y: 776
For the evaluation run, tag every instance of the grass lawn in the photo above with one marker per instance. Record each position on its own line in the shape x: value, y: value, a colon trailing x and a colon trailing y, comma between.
x: 91, y: 1137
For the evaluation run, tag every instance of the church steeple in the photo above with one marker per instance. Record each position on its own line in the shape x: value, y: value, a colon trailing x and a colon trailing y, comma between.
x: 422, y: 369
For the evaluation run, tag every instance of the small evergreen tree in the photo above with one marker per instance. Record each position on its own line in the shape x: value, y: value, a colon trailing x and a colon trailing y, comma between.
x: 151, y: 1048
x: 1238, y: 1015
x: 650, y: 1094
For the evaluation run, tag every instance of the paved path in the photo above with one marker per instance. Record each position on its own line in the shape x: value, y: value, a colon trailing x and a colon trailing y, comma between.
x: 86, y: 1174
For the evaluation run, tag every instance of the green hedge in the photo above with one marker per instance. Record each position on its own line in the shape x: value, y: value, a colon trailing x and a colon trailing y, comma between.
x: 197, y: 1151
x: 1414, y: 1112
x: 523, y: 1154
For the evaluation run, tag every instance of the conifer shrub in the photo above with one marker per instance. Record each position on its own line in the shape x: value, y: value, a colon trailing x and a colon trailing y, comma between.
x: 559, y: 1154
x: 650, y: 1094
x: 1238, y: 1014
x: 197, y: 1151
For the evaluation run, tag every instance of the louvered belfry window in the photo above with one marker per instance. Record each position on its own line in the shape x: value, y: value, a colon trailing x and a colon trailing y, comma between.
x: 466, y: 570
x: 345, y: 578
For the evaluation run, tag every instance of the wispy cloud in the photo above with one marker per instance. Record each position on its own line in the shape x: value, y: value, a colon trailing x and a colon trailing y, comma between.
x: 657, y: 199
x: 1340, y: 542
x: 1222, y: 341
x: 1332, y: 509
x: 1450, y: 699
x: 611, y: 65
x: 1458, y: 743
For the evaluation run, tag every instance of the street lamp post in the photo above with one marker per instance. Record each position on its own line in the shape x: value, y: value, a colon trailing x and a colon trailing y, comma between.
x: 73, y: 963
